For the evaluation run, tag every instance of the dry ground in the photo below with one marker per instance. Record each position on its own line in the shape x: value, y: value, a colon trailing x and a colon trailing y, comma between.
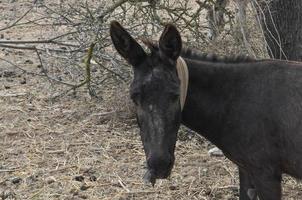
x: 80, y: 148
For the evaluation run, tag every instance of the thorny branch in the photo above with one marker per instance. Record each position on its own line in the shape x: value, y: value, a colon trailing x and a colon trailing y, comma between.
x: 18, y: 20
x: 84, y: 26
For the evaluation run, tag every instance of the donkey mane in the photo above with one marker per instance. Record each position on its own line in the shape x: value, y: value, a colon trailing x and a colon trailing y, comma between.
x: 195, y: 54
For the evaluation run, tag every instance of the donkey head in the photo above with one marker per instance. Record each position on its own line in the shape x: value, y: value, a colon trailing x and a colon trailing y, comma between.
x: 155, y: 92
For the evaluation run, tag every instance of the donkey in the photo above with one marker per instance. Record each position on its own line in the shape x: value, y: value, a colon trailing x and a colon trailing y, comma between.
x: 250, y: 109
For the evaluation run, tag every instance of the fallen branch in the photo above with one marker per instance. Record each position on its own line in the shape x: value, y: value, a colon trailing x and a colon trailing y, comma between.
x: 18, y: 20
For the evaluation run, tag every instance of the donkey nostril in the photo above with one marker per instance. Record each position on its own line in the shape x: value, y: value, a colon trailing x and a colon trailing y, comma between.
x: 159, y: 163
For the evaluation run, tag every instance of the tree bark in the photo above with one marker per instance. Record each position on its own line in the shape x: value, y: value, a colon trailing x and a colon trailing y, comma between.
x: 282, y: 25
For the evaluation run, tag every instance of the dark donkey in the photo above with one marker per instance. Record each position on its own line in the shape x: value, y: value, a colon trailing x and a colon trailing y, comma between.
x: 251, y: 110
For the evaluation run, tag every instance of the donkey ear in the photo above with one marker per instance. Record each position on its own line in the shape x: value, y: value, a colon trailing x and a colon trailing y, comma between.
x: 170, y: 42
x: 126, y: 45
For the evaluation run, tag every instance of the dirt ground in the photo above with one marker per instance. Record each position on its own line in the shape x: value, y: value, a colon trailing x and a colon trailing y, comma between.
x: 80, y: 148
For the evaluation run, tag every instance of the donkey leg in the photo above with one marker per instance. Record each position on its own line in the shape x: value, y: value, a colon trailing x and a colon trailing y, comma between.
x: 267, y: 184
x: 247, y: 189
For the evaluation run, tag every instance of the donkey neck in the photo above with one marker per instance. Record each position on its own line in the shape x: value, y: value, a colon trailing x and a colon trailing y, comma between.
x: 212, y: 87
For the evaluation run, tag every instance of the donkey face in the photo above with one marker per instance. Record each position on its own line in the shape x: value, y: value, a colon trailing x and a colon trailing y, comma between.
x: 155, y: 92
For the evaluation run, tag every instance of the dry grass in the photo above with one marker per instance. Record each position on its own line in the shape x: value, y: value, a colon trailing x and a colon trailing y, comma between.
x: 72, y: 149
x: 47, y: 145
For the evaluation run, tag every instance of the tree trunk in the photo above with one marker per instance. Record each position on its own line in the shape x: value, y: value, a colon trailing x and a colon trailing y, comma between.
x: 282, y: 25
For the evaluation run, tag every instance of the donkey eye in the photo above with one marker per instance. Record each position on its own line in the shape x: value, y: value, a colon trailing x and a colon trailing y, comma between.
x: 174, y: 96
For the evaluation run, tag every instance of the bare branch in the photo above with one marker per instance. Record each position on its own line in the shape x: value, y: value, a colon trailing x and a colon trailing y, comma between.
x: 18, y: 20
